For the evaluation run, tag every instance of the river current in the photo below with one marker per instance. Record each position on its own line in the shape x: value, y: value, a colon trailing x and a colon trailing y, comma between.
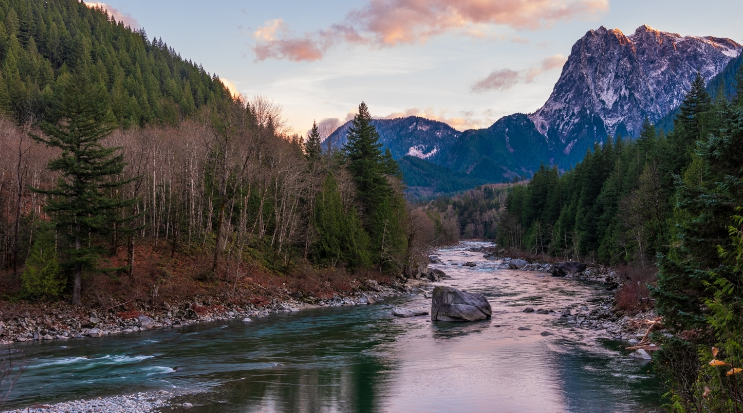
x: 362, y: 359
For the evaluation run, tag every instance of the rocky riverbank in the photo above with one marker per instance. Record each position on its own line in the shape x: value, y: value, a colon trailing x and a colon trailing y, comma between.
x: 132, y: 403
x: 61, y: 321
x: 633, y: 328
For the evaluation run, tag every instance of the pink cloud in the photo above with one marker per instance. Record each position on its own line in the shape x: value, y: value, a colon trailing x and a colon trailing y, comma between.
x: 118, y: 15
x: 497, y: 80
x: 552, y: 62
x: 327, y: 126
x: 506, y: 78
x: 388, y: 23
x: 466, y: 121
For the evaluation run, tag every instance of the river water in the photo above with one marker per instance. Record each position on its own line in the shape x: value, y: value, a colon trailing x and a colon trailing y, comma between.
x: 362, y: 359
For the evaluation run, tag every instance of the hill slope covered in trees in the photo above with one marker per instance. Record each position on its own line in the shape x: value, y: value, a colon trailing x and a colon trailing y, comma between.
x: 41, y: 41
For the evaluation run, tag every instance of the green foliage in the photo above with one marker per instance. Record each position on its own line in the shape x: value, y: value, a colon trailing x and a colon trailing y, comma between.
x: 341, y: 237
x: 41, y: 277
x: 146, y: 81
x: 383, y: 206
x: 425, y: 178
x: 312, y: 146
x: 666, y: 196
x: 80, y: 203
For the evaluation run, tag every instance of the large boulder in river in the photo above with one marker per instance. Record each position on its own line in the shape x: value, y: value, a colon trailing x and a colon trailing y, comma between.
x: 450, y: 304
x: 562, y: 269
x: 517, y: 264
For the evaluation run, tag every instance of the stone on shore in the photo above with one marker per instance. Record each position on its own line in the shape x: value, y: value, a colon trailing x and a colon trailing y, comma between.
x: 94, y: 332
x: 563, y: 269
x: 517, y: 264
x: 642, y: 354
x: 145, y: 322
x: 436, y: 275
x: 450, y: 304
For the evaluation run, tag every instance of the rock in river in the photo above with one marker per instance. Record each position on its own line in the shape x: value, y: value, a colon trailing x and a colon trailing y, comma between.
x: 450, y: 304
x: 404, y: 312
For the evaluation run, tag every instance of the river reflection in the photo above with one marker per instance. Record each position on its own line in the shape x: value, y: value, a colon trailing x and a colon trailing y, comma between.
x: 361, y: 359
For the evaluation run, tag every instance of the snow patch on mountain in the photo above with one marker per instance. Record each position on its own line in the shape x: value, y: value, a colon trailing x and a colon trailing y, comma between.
x: 419, y: 151
x: 620, y: 80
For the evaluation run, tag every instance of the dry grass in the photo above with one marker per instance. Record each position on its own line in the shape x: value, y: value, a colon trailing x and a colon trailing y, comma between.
x: 633, y: 296
x: 160, y: 281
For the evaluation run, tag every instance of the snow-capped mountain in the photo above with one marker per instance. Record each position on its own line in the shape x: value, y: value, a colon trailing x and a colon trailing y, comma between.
x: 411, y: 136
x: 611, y: 82
x: 608, y: 86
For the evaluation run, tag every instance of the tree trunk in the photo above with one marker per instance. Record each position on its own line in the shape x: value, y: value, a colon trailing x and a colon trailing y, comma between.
x: 220, y: 218
x: 77, y: 283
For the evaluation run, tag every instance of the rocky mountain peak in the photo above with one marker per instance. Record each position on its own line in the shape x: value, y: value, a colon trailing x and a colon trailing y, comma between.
x: 611, y: 82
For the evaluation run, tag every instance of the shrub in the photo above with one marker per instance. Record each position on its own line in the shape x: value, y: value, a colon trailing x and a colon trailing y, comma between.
x: 40, y: 278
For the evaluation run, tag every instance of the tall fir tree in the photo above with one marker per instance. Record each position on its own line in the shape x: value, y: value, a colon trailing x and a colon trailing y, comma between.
x: 383, y: 206
x: 80, y: 203
x: 312, y: 145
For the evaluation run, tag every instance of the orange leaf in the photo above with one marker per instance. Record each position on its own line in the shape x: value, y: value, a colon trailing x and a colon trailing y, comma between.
x: 718, y: 363
x: 715, y: 350
x: 734, y: 371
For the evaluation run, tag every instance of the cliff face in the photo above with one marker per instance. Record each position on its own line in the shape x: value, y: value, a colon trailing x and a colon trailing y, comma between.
x: 611, y: 82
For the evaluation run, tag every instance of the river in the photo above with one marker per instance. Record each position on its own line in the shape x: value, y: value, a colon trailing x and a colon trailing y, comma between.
x: 362, y: 359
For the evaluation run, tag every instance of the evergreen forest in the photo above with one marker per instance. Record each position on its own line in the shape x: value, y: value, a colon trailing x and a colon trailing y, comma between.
x: 668, y: 200
x: 130, y: 175
x: 147, y: 82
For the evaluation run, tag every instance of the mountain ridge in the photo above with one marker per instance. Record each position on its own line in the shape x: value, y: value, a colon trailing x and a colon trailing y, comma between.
x: 609, y: 84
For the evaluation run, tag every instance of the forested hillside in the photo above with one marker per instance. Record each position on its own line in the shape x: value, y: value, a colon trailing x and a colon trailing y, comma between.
x: 129, y: 175
x: 42, y: 41
x: 670, y: 200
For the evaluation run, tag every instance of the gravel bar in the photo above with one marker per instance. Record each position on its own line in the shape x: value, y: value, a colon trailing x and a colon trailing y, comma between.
x: 132, y: 403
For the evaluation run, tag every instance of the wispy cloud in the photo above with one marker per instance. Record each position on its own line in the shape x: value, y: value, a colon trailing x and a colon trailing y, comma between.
x: 120, y: 16
x: 497, y: 80
x: 552, y: 62
x: 467, y: 120
x: 389, y: 23
x: 504, y: 79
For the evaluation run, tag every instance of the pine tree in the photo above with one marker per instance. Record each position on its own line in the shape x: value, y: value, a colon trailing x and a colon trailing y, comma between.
x: 383, y: 206
x: 80, y: 203
x: 738, y: 98
x: 697, y: 289
x: 363, y: 154
x: 689, y: 126
x: 312, y: 147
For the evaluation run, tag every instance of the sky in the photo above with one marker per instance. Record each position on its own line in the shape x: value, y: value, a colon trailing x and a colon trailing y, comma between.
x: 463, y: 62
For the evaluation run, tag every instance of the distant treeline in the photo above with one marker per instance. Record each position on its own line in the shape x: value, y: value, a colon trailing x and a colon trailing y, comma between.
x: 672, y: 200
x: 146, y: 81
